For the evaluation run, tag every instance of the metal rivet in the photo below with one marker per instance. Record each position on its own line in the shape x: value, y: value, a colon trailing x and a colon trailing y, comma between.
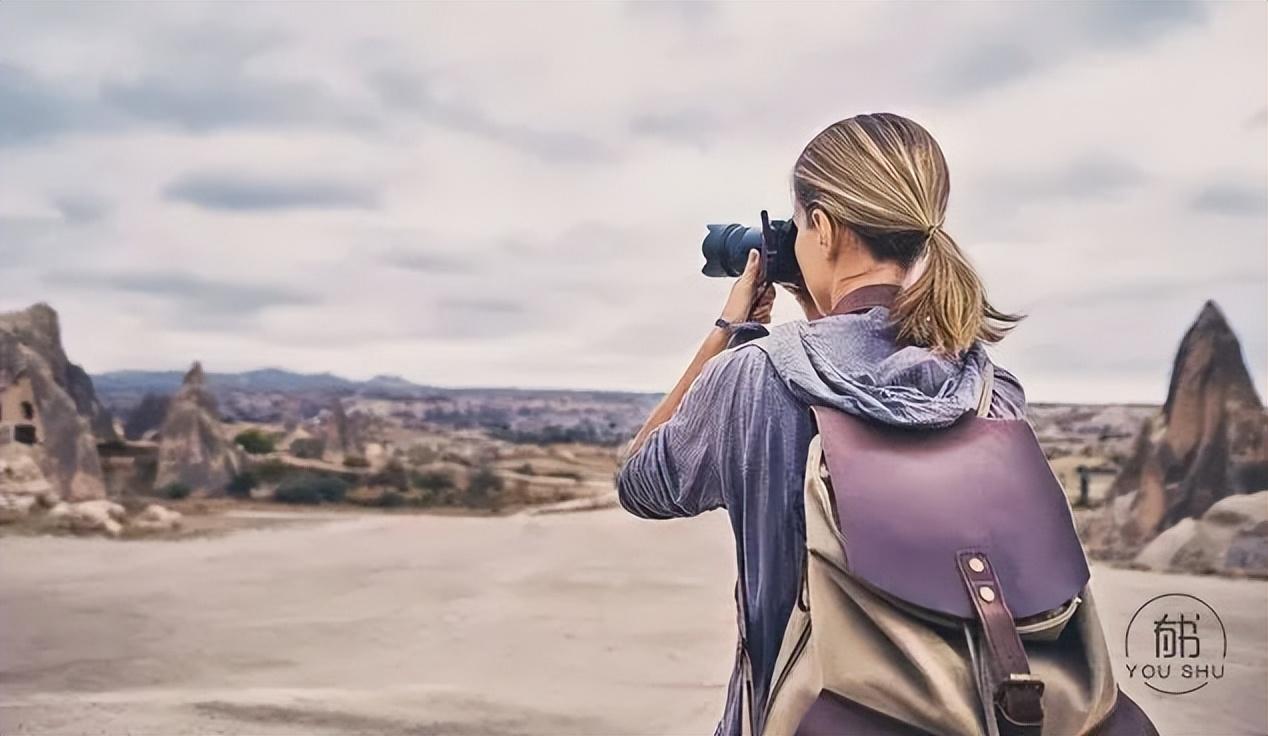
x: 987, y: 593
x: 976, y: 564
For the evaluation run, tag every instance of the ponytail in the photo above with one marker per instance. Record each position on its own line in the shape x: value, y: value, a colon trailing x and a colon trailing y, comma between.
x: 946, y: 308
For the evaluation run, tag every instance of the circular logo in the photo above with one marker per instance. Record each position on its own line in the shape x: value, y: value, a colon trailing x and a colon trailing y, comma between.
x: 1175, y: 644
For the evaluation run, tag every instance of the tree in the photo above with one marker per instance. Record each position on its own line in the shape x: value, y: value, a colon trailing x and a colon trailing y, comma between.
x: 255, y: 442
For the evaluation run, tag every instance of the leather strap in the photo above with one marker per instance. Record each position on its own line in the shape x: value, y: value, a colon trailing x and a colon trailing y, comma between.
x: 988, y: 390
x: 1016, y: 695
x: 866, y: 297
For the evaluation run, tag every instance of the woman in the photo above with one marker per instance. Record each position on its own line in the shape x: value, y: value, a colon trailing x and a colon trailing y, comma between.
x: 897, y: 323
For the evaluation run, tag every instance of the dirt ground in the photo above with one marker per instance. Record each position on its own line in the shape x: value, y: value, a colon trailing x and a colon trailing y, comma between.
x: 586, y: 623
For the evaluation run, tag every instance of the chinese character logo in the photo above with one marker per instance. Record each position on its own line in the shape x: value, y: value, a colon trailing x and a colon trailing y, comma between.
x: 1176, y: 638
x: 1186, y: 639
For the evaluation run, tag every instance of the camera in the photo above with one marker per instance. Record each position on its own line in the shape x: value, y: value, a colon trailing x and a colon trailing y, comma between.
x: 726, y: 249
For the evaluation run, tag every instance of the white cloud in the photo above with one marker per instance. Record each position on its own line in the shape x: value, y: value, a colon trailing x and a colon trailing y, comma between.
x: 459, y: 201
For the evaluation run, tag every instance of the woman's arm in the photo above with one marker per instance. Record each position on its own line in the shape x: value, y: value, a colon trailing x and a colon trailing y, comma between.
x: 673, y: 468
x: 748, y: 301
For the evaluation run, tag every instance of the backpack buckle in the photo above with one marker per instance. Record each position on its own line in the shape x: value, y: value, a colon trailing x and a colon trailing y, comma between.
x: 1019, y: 704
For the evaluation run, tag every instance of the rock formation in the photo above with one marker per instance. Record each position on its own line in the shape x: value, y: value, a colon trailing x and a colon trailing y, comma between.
x: 15, y: 507
x: 90, y: 517
x: 193, y: 450
x: 20, y: 473
x: 57, y: 437
x: 1209, y: 441
x: 155, y: 518
x: 1230, y: 538
x: 146, y: 417
x: 109, y: 518
x: 338, y: 433
x: 39, y: 329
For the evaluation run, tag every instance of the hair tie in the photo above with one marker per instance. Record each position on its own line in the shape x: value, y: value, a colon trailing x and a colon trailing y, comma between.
x: 931, y: 229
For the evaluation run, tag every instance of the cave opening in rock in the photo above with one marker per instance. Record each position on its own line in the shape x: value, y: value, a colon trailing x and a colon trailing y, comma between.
x: 24, y: 433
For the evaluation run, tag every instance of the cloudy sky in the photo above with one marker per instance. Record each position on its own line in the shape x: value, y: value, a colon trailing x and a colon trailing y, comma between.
x: 496, y: 194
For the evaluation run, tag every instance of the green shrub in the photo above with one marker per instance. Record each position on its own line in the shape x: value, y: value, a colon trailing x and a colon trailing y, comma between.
x: 432, y: 480
x: 271, y: 471
x: 332, y: 490
x: 308, y: 448
x: 291, y: 492
x: 311, y: 489
x: 484, y: 488
x: 175, y: 490
x: 393, y: 474
x: 242, y: 484
x: 390, y: 500
x: 255, y: 442
x: 355, y: 461
x: 421, y: 455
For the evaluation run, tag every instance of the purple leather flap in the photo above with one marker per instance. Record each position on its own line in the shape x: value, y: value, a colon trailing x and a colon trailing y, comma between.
x: 909, y: 500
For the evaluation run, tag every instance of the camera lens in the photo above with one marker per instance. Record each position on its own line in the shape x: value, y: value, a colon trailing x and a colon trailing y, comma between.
x: 726, y: 248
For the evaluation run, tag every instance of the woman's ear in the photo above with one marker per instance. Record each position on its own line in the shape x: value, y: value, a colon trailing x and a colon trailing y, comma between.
x: 824, y: 232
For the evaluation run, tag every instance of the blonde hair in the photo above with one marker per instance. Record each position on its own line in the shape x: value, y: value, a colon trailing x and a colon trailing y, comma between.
x: 885, y: 178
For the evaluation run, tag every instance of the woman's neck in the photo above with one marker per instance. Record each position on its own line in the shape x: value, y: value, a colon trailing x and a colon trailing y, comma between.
x: 855, y: 278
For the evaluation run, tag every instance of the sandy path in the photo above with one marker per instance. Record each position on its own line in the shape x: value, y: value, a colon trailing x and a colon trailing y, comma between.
x: 593, y: 623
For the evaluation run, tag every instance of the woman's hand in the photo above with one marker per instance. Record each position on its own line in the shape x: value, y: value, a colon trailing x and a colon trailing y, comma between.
x: 803, y: 298
x: 762, y: 307
x: 744, y: 293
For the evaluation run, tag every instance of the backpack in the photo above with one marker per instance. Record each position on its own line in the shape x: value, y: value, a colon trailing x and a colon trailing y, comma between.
x: 944, y: 591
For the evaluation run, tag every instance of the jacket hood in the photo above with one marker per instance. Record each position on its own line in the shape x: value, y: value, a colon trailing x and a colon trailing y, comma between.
x: 851, y: 362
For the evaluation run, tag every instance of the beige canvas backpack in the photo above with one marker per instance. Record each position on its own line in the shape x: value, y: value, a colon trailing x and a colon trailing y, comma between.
x: 944, y: 591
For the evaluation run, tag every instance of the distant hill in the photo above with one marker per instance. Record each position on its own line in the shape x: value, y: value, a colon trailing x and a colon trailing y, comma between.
x: 264, y: 380
x: 277, y: 380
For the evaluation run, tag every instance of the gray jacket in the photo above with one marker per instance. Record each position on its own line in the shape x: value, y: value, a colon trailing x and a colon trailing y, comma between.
x: 740, y: 436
